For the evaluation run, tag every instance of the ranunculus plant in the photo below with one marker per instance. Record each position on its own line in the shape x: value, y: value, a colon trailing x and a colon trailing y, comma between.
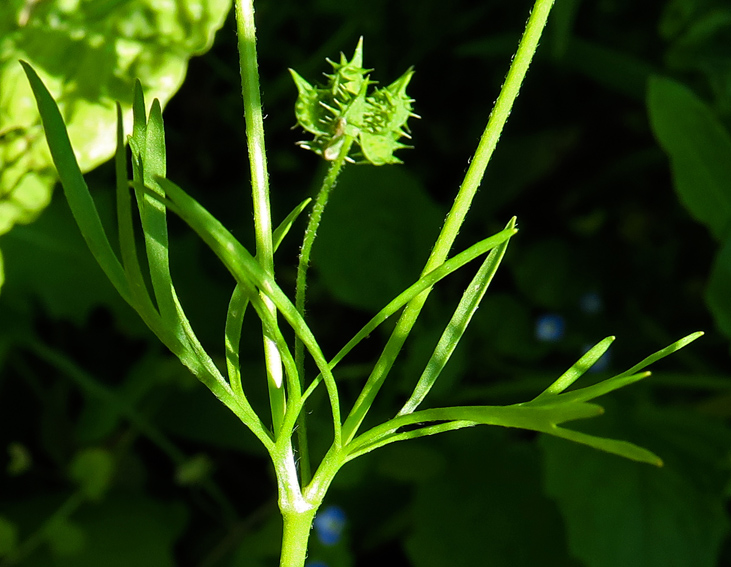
x: 349, y: 120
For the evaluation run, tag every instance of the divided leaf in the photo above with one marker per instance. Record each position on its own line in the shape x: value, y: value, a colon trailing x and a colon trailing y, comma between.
x: 546, y: 413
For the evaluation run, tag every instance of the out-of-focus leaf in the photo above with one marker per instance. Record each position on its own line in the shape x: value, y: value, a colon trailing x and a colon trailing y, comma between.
x: 195, y: 470
x: 374, y: 236
x: 92, y: 469
x: 65, y: 538
x: 19, y: 460
x: 718, y: 291
x: 545, y: 273
x: 410, y: 462
x: 190, y: 415
x: 53, y: 245
x: 260, y: 548
x: 123, y: 530
x: 699, y: 36
x: 88, y: 53
x: 699, y: 148
x: 613, y: 69
x: 622, y: 513
x: 8, y: 536
x: 561, y: 26
x: 486, y: 509
x: 505, y: 327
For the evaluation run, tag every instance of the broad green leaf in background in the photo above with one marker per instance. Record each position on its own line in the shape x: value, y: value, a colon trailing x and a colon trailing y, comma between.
x: 621, y: 513
x: 53, y: 244
x: 488, y: 509
x: 718, y: 290
x: 616, y: 70
x: 371, y: 243
x: 699, y: 148
x: 88, y: 54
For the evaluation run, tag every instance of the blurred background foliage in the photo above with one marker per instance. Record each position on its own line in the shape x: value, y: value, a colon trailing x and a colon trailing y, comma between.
x: 616, y: 161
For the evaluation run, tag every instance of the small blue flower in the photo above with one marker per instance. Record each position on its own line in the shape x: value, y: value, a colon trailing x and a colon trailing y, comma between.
x: 316, y: 564
x: 550, y: 327
x: 329, y: 524
x: 591, y: 303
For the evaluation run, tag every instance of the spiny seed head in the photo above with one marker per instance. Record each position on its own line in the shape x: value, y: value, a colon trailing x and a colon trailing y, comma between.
x: 342, y: 107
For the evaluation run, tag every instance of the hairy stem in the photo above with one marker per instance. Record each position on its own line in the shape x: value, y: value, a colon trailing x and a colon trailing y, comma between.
x: 260, y: 190
x: 301, y: 288
x: 295, y: 537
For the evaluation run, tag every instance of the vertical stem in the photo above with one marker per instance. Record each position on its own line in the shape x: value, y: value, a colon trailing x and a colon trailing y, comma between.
x: 260, y: 189
x: 297, y: 511
x: 301, y: 288
x: 296, y: 535
x: 495, y: 124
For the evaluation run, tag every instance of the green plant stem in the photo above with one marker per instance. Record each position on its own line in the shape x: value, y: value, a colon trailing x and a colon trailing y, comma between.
x: 313, y: 224
x: 455, y: 218
x: 295, y: 537
x: 250, y: 91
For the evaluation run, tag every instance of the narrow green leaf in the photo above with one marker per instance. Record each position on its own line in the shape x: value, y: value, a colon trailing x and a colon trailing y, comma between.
x: 600, y: 389
x: 155, y: 151
x: 423, y: 283
x: 138, y: 289
x: 246, y: 270
x: 577, y: 370
x: 668, y: 350
x: 139, y: 125
x: 393, y: 347
x: 77, y: 193
x: 86, y: 216
x: 240, y: 300
x: 699, y: 148
x: 544, y: 418
x: 458, y: 324
x: 149, y: 162
x: 615, y: 446
x: 234, y: 321
x: 281, y: 231
x: 408, y: 435
x: 151, y: 156
x: 626, y: 378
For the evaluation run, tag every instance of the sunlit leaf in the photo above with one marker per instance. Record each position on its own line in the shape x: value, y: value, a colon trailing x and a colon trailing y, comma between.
x: 88, y: 53
x: 621, y: 513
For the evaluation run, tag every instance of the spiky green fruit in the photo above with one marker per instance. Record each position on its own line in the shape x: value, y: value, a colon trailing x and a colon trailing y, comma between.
x: 343, y: 107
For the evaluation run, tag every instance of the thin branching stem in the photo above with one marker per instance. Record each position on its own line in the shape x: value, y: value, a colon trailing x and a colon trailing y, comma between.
x: 313, y: 224
x: 260, y: 190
